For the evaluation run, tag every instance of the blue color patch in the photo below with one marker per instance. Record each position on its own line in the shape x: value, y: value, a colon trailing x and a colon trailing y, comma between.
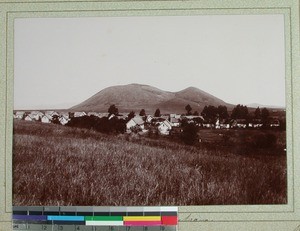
x: 65, y: 218
x: 29, y: 217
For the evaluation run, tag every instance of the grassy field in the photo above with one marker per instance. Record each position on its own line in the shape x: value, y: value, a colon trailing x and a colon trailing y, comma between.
x: 57, y: 165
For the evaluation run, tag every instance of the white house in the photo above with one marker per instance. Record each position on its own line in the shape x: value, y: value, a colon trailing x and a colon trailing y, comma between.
x: 256, y: 123
x: 176, y: 116
x: 222, y: 124
x: 164, y: 127
x: 79, y: 114
x: 239, y: 123
x: 63, y: 120
x: 36, y: 115
x: 217, y: 124
x: 93, y: 114
x: 136, y: 121
x: 225, y: 125
x: 65, y: 114
x: 51, y: 113
x: 166, y: 117
x: 111, y: 116
x: 29, y: 118
x: 101, y: 115
x: 46, y: 119
x: 19, y: 115
x: 149, y: 118
x: 174, y: 121
x: 207, y: 124
x: 275, y: 123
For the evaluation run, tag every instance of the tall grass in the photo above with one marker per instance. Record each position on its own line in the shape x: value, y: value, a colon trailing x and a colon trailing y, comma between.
x: 57, y: 165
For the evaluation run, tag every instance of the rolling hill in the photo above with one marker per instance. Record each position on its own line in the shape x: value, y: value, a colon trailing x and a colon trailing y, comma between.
x: 134, y: 97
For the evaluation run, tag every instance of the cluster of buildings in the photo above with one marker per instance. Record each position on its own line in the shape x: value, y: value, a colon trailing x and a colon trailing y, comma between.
x: 164, y: 124
x: 44, y: 117
x: 172, y: 123
x: 53, y: 116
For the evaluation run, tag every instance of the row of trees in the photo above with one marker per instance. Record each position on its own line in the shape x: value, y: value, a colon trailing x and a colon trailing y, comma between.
x: 210, y: 112
x: 113, y: 110
x: 238, y: 112
x: 103, y: 125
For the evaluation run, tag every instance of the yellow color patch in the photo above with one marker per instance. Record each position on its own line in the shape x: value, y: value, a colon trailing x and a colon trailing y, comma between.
x: 142, y: 218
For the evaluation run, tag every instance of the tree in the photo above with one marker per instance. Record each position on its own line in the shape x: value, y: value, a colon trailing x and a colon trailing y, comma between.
x: 198, y: 120
x: 239, y: 112
x: 196, y: 113
x: 209, y: 112
x: 188, y: 109
x: 222, y: 111
x: 121, y: 126
x: 265, y: 115
x: 142, y: 112
x: 87, y: 122
x: 130, y: 115
x: 189, y: 134
x: 257, y: 113
x: 157, y: 113
x: 113, y: 110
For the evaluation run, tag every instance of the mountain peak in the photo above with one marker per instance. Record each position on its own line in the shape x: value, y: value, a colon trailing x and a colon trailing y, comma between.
x: 135, y: 84
x: 134, y: 97
x: 191, y: 89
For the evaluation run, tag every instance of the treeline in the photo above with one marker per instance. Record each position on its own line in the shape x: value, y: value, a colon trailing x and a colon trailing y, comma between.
x: 211, y: 113
x: 104, y: 124
x: 107, y: 124
x: 239, y: 112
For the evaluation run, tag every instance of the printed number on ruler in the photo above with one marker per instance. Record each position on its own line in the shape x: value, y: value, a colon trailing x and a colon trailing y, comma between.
x: 145, y: 228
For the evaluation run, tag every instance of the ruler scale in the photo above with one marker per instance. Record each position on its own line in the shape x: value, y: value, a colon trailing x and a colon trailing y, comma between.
x: 85, y: 218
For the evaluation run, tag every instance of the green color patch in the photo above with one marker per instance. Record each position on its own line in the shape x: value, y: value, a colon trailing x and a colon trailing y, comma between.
x: 104, y: 218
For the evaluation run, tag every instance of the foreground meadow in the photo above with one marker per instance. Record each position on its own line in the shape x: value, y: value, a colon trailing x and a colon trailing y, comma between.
x: 57, y: 165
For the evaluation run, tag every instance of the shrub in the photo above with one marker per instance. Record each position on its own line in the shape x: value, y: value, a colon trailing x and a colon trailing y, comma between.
x: 189, y: 134
x: 103, y: 125
x: 83, y: 122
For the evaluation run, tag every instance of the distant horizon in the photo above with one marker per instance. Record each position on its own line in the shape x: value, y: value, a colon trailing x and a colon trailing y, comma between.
x: 60, y: 62
x: 251, y: 105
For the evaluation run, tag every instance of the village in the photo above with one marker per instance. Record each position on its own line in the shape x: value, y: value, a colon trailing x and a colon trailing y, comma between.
x: 163, y: 124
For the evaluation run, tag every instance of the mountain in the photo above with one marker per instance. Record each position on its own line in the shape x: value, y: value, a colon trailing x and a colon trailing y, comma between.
x: 255, y: 105
x: 134, y: 97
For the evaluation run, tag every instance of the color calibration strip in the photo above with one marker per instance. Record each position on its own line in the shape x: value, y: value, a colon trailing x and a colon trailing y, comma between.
x: 69, y: 218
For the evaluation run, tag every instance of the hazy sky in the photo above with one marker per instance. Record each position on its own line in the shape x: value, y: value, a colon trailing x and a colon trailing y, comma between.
x: 60, y: 62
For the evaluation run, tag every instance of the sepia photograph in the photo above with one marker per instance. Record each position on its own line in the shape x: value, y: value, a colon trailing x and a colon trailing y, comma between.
x: 150, y: 111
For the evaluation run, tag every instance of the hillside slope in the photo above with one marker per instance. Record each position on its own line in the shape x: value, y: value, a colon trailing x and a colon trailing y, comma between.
x: 134, y: 97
